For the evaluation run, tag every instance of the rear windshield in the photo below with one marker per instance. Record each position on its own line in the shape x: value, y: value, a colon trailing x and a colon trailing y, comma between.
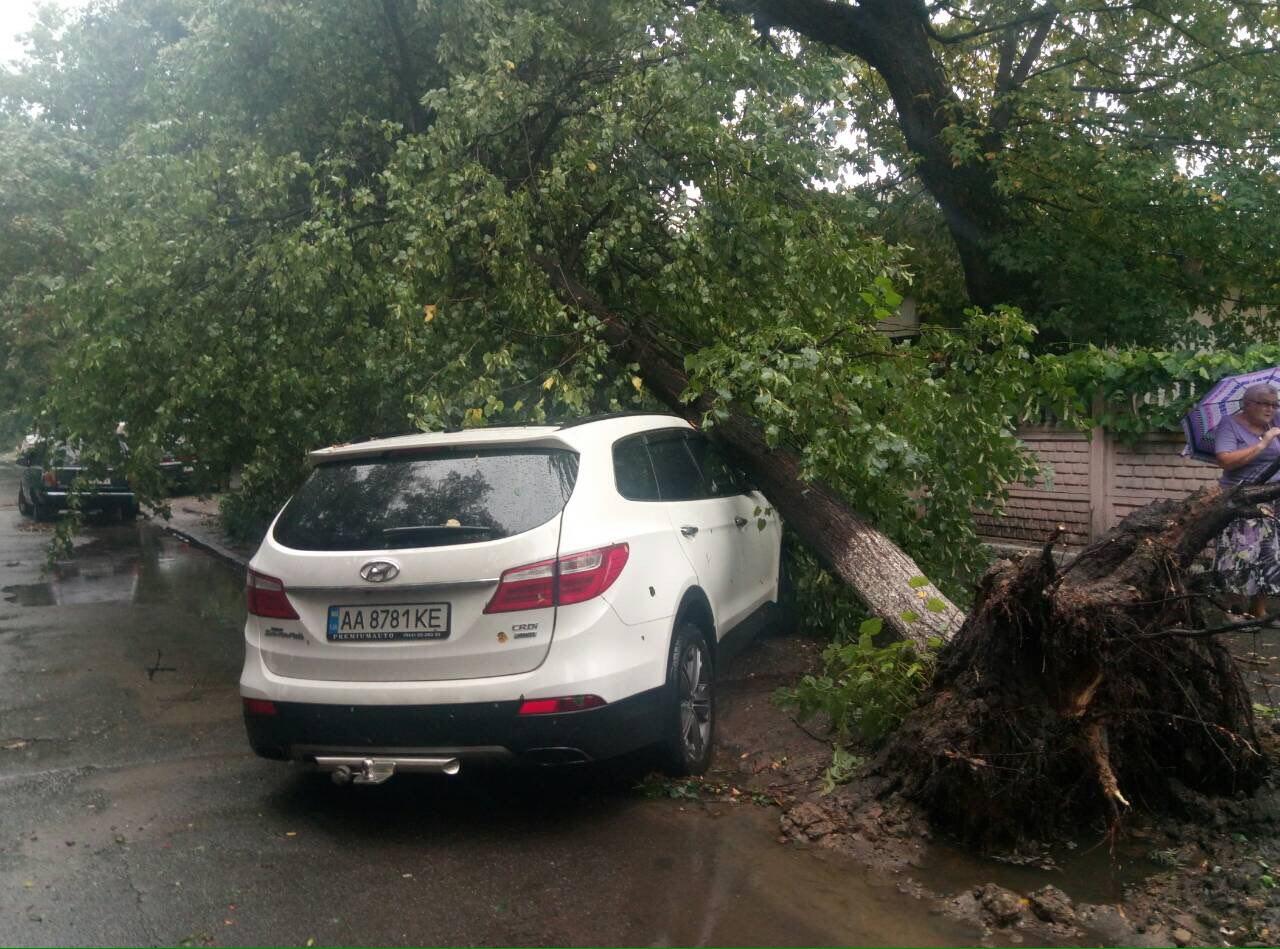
x: 427, y: 500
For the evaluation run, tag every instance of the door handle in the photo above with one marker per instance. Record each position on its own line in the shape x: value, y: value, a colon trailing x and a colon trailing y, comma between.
x: 740, y: 521
x: 689, y: 530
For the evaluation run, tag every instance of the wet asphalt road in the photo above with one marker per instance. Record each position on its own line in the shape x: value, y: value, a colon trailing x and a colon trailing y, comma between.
x: 131, y: 811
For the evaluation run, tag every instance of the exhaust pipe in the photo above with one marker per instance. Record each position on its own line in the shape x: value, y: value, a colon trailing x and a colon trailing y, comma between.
x: 352, y: 770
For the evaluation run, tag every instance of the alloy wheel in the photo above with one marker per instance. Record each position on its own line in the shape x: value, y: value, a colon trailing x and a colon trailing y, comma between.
x: 695, y: 701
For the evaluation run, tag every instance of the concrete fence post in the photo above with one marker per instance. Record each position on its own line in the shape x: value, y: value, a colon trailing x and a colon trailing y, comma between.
x: 1101, y: 476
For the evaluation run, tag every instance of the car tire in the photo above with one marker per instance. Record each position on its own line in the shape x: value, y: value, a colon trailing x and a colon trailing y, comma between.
x: 689, y: 706
x: 41, y: 510
x: 24, y: 506
x: 129, y: 512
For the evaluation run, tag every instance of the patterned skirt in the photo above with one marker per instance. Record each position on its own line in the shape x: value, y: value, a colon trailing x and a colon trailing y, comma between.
x: 1248, y: 557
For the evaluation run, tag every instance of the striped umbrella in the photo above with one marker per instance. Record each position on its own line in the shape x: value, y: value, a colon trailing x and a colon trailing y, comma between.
x: 1220, y: 401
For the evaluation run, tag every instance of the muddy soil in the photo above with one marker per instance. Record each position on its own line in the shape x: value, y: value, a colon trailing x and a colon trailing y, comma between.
x: 1203, y: 876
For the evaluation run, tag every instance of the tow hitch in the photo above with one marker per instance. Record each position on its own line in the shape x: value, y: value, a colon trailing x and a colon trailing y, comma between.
x: 352, y: 770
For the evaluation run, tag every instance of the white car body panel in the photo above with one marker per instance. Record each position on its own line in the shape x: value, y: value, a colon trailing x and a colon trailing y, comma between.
x: 611, y: 660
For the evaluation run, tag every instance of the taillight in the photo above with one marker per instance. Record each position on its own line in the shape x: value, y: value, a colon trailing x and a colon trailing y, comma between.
x: 265, y: 596
x: 530, y: 587
x: 572, y: 578
x: 259, y: 707
x: 588, y: 574
x: 566, y: 703
x: 50, y: 478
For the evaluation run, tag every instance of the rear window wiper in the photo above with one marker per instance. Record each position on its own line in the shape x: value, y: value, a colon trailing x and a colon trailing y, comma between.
x: 441, y: 530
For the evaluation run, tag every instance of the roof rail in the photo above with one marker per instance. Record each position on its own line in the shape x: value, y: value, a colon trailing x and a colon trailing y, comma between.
x: 604, y: 416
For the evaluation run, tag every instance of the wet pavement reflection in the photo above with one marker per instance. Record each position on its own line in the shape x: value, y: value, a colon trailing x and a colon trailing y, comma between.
x: 122, y: 564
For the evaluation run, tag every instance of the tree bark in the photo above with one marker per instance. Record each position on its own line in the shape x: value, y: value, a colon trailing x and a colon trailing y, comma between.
x: 852, y: 549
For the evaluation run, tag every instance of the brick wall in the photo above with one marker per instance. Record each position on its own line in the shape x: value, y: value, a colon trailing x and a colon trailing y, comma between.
x: 1096, y: 481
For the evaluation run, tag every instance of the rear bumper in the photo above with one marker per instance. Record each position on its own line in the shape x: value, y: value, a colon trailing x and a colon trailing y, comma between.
x: 178, y: 475
x: 89, y: 501
x: 474, y: 732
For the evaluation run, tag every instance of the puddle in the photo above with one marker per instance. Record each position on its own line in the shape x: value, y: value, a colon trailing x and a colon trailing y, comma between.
x: 128, y: 564
x: 88, y: 578
x: 728, y: 882
x: 1089, y: 874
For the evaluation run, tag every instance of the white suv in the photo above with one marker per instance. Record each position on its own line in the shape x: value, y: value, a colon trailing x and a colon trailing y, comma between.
x: 547, y: 594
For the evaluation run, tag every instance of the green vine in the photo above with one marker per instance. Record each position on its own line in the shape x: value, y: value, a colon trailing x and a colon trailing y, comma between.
x: 1133, y: 391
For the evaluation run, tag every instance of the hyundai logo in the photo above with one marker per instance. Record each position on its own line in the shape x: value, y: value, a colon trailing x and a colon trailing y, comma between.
x: 379, y: 571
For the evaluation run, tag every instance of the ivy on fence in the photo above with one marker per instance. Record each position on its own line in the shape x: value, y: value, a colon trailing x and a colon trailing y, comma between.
x: 1134, y: 391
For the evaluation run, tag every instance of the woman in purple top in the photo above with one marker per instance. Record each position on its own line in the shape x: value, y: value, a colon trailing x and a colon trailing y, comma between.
x: 1248, y: 553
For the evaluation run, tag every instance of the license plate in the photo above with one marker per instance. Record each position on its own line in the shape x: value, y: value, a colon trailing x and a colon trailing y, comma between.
x: 389, y: 621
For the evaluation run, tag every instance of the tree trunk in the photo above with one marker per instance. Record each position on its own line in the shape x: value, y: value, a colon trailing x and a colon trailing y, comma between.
x: 406, y: 69
x: 876, y: 568
x: 1067, y: 695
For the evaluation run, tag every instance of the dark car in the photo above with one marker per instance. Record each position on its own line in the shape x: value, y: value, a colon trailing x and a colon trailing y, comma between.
x: 178, y: 468
x: 51, y: 471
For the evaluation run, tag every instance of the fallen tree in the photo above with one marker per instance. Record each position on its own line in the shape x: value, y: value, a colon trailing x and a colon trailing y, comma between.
x: 1071, y: 694
x: 845, y: 543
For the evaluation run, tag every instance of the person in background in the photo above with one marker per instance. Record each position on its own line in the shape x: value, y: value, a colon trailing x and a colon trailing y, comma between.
x: 1248, y: 550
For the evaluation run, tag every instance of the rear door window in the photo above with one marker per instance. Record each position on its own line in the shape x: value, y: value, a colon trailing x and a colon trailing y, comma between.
x: 428, y: 499
x: 632, y: 471
x: 678, y: 476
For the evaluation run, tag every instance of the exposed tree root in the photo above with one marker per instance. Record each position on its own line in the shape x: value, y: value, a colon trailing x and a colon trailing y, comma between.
x: 1069, y: 694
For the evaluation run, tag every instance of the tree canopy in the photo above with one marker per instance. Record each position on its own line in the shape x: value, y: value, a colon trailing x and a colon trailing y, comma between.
x: 267, y: 226
x: 1109, y: 167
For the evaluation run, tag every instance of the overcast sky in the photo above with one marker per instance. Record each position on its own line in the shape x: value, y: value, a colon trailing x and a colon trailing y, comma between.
x: 16, y: 16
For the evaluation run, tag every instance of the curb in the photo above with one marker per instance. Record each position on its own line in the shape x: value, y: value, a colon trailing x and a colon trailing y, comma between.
x: 222, y: 553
